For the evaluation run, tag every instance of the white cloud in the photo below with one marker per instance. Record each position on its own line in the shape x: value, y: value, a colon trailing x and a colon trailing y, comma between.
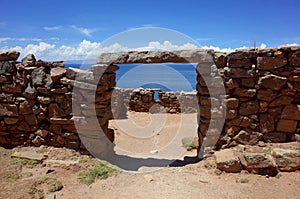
x: 84, y: 31
x: 87, y: 49
x: 5, y: 39
x: 263, y: 46
x: 52, y: 28
x: 215, y: 48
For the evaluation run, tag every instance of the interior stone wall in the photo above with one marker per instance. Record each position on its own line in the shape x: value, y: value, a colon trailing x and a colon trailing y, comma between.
x: 143, y: 100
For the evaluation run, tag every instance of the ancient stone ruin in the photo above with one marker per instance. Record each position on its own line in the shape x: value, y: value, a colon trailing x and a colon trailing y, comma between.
x: 258, y: 99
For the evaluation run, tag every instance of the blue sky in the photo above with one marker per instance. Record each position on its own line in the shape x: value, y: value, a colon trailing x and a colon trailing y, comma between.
x: 73, y: 27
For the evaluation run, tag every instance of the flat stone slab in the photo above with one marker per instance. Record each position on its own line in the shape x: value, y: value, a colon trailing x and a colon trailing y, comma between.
x: 227, y: 161
x: 58, y: 163
x: 31, y: 155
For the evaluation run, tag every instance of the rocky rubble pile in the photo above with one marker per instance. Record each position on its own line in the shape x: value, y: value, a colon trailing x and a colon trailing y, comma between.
x: 36, y: 101
x: 267, y: 160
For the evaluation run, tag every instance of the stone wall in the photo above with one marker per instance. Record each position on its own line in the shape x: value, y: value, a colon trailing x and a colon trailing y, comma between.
x: 262, y: 97
x: 143, y: 100
x: 258, y: 97
x: 36, y: 101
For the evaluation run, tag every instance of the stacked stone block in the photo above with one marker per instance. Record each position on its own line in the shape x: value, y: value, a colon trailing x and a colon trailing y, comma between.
x: 36, y: 101
x: 262, y: 96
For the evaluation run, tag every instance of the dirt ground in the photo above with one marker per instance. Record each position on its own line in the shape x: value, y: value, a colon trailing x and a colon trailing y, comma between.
x: 27, y: 179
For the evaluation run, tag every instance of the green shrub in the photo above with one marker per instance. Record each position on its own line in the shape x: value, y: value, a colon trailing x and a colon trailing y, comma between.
x: 99, y: 171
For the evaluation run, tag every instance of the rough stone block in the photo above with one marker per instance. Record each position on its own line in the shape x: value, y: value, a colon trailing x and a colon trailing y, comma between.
x: 287, y: 159
x: 270, y: 63
x: 259, y: 163
x: 249, y: 108
x: 288, y: 126
x: 272, y: 82
x: 10, y: 55
x: 291, y: 112
x: 227, y: 161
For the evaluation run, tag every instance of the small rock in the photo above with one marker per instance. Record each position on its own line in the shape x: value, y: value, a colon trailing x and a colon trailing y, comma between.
x: 149, y: 177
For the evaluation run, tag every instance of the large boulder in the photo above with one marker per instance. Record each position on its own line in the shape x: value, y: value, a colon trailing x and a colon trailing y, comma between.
x: 10, y: 55
x: 287, y: 159
x: 259, y: 163
x: 29, y: 60
x: 227, y: 161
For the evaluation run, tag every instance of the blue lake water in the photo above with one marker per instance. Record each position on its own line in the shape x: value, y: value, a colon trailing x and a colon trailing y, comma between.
x: 168, y: 77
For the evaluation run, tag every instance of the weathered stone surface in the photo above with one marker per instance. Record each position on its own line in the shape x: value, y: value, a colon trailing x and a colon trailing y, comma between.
x: 30, y: 154
x: 61, y: 121
x: 287, y: 159
x: 232, y: 103
x: 227, y: 161
x: 249, y: 108
x: 250, y: 138
x: 231, y: 113
x: 289, y: 126
x: 42, y: 132
x: 29, y: 60
x: 57, y: 73
x: 240, y: 59
x: 238, y: 73
x: 272, y: 81
x: 275, y: 137
x: 23, y: 126
x: 10, y: 120
x: 38, y: 76
x: 291, y: 112
x: 25, y: 107
x: 266, y: 94
x: 7, y: 68
x: 259, y: 163
x: 100, y: 69
x: 58, y: 64
x: 8, y: 110
x: 61, y: 90
x: 31, y: 119
x: 30, y: 92
x: 38, y: 141
x: 248, y: 83
x: 242, y: 92
x: 44, y: 100
x: 12, y: 88
x: 294, y: 59
x: 267, y: 123
x: 270, y: 63
x: 55, y: 111
x: 80, y: 75
x: 282, y: 100
x: 10, y: 55
x: 220, y: 59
